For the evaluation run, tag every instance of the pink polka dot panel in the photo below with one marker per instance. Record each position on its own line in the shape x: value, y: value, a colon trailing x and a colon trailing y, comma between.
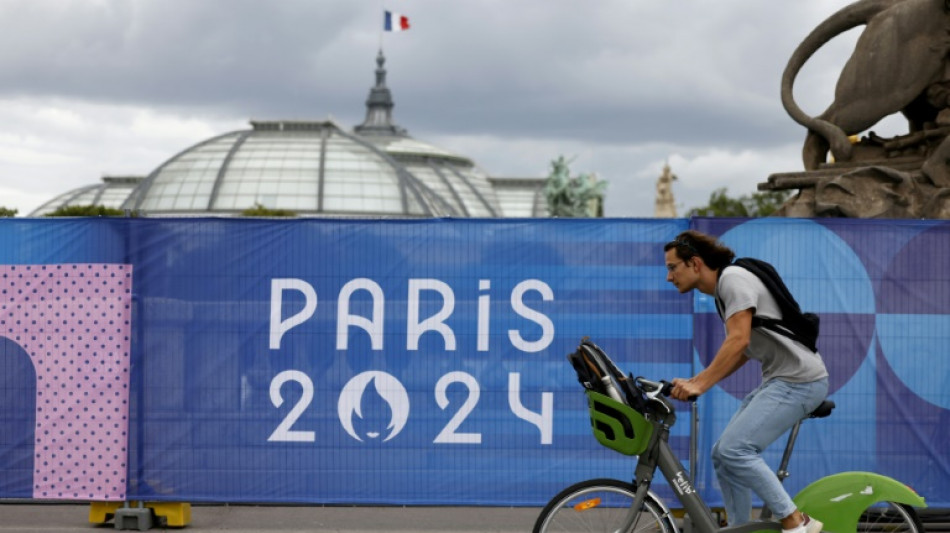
x: 74, y: 321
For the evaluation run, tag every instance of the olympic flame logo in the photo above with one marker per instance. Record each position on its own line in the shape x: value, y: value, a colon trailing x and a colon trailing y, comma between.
x: 388, y: 388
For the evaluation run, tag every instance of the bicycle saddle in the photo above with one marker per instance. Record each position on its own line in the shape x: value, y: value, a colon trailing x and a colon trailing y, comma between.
x: 823, y: 410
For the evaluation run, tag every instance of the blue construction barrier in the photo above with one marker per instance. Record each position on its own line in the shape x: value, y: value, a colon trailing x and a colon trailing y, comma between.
x: 423, y: 361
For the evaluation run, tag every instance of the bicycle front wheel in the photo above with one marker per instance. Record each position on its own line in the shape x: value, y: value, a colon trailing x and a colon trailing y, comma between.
x: 890, y: 517
x: 603, y: 505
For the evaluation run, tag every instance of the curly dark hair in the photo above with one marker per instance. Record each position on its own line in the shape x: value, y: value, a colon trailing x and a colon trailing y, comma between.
x: 691, y: 243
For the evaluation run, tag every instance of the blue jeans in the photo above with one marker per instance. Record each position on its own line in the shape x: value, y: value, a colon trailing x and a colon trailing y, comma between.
x: 766, y: 413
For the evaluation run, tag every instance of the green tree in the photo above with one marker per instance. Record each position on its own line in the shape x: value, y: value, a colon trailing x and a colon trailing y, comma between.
x: 86, y: 211
x: 260, y: 211
x: 5, y: 212
x: 758, y: 204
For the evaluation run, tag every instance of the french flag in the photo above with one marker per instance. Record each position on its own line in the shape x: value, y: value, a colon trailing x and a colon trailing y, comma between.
x: 395, y: 22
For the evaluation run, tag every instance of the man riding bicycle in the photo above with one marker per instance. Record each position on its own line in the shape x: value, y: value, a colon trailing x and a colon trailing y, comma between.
x: 794, y: 378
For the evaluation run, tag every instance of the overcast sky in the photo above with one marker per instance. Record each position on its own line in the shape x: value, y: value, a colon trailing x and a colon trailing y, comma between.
x: 115, y: 87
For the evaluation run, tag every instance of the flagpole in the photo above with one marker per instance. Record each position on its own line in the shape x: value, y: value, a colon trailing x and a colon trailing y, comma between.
x: 380, y: 26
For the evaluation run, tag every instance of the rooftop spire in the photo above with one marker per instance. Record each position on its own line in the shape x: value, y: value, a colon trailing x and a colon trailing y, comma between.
x: 379, y: 106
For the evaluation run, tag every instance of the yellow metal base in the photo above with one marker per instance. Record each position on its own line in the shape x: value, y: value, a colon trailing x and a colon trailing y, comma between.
x: 174, y: 514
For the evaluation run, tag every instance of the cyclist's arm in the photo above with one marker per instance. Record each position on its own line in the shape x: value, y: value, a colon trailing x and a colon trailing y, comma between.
x: 730, y: 357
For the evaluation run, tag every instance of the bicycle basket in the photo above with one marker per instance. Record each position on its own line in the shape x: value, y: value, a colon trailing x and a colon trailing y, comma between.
x: 618, y: 426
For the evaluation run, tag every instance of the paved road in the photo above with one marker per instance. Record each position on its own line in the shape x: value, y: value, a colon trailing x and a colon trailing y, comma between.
x: 28, y: 518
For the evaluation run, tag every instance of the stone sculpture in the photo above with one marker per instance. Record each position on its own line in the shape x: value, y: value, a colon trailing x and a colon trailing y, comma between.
x: 900, y: 64
x: 665, y: 205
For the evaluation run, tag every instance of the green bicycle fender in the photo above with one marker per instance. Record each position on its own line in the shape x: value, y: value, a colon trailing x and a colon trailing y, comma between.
x: 838, y: 500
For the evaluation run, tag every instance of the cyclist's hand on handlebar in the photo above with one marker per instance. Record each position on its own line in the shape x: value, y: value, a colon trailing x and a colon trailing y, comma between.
x: 685, y: 390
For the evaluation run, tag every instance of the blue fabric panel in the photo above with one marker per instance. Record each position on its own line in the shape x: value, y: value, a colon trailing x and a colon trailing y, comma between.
x: 427, y: 363
x: 398, y: 418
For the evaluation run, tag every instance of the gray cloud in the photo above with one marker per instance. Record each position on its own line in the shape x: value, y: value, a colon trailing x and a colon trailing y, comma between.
x: 623, y: 85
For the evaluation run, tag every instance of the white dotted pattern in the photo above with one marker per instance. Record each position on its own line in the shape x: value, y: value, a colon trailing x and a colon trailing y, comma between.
x: 75, y: 322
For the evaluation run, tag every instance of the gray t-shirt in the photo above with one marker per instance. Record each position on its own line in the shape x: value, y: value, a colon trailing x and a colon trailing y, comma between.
x: 781, y: 357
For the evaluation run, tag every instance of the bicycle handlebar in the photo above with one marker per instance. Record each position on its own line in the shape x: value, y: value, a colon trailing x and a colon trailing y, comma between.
x: 652, y: 388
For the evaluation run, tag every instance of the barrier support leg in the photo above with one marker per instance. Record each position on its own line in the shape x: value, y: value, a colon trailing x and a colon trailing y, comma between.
x: 139, y: 517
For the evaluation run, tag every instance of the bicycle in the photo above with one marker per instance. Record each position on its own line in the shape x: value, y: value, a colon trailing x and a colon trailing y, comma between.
x: 634, y: 415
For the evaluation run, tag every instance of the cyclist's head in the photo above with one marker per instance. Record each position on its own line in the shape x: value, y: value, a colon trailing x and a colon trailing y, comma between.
x: 692, y: 243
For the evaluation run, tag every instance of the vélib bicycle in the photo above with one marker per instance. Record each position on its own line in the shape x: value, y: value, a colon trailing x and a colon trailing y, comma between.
x: 633, y: 416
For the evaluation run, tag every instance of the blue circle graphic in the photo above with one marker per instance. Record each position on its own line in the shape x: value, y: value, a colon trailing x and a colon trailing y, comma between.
x: 914, y: 299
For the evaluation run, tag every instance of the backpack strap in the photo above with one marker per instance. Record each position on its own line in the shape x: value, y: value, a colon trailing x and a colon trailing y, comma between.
x: 798, y: 326
x: 779, y: 326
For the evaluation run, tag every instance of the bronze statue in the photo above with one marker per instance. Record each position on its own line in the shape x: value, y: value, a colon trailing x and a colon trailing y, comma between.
x: 573, y: 197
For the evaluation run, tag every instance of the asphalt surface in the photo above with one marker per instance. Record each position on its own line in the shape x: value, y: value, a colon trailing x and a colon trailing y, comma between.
x: 46, y: 517
x: 62, y: 517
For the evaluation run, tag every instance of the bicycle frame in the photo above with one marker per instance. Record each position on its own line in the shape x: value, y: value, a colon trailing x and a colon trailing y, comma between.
x: 659, y: 455
x: 837, y: 500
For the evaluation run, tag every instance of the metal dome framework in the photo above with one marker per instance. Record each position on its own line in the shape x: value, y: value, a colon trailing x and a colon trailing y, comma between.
x: 317, y: 168
x: 111, y: 192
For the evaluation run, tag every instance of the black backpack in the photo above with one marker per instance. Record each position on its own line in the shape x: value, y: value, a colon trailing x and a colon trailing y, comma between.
x: 796, y: 325
x: 593, y: 366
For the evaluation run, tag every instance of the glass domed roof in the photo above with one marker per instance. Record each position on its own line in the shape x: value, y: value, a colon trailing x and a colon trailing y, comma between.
x: 317, y: 168
x: 111, y: 192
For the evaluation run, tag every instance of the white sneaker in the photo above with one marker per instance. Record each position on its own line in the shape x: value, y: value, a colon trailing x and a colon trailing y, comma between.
x: 810, y: 525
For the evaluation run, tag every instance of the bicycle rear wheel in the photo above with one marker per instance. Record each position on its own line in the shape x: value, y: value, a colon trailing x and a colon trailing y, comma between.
x: 890, y: 517
x: 602, y: 505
